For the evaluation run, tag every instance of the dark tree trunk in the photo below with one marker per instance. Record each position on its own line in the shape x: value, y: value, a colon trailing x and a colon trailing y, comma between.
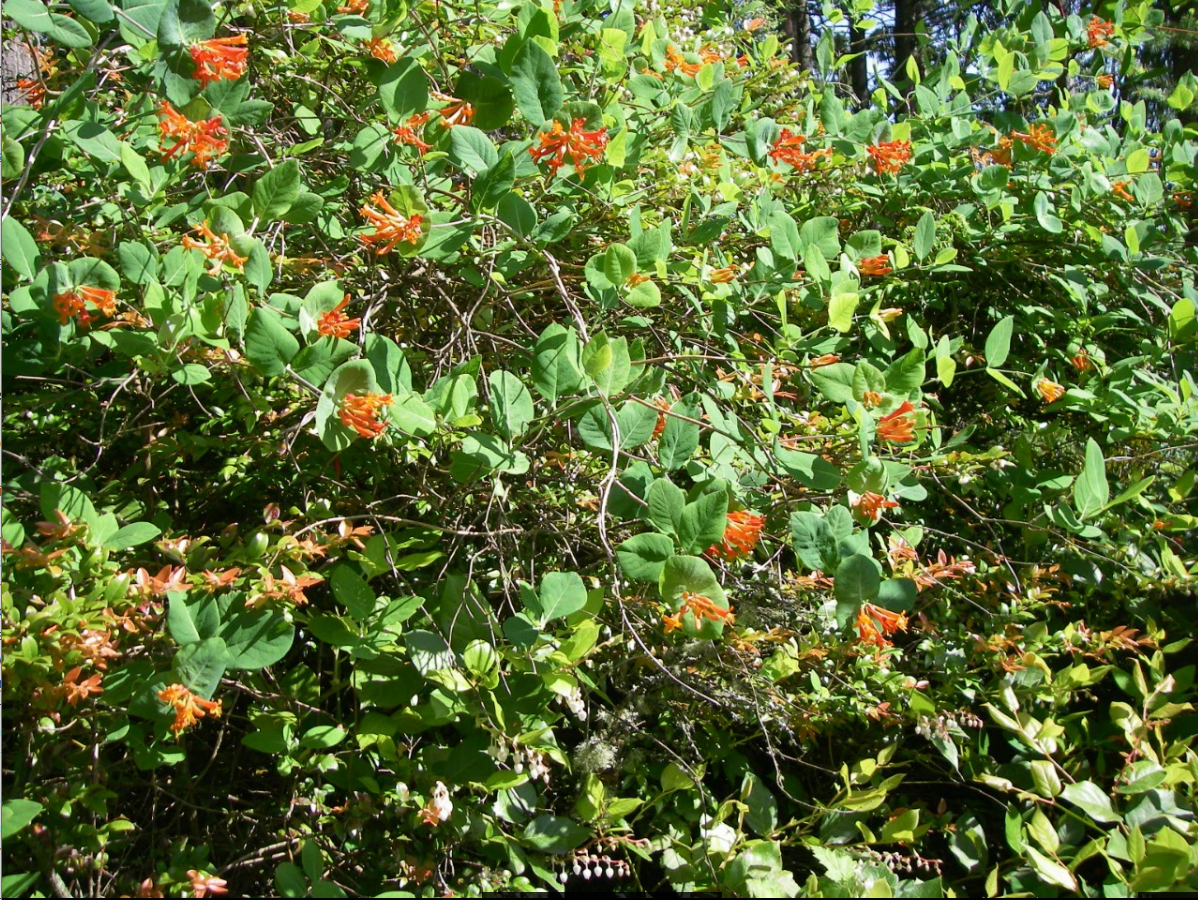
x: 906, y: 18
x: 798, y: 29
x: 859, y: 65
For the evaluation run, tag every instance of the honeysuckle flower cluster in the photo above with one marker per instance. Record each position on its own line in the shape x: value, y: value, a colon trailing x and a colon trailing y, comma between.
x: 582, y: 146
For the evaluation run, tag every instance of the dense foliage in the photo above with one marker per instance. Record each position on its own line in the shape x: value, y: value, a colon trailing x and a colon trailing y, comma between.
x: 454, y: 447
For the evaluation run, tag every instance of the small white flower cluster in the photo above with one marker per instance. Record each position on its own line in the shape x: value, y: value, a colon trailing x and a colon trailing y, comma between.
x: 898, y: 862
x: 589, y: 865
x: 538, y: 765
x: 943, y: 724
x: 576, y: 704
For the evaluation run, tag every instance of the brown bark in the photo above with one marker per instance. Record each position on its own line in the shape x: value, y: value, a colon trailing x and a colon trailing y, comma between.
x: 798, y: 29
x: 907, y: 14
x: 859, y: 65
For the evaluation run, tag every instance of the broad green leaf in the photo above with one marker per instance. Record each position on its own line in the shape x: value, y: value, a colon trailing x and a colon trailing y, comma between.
x: 841, y: 308
x: 256, y: 638
x: 98, y: 11
x: 269, y: 345
x: 757, y: 871
x: 132, y: 535
x: 665, y: 504
x: 998, y: 344
x: 18, y: 247
x: 411, y: 415
x: 556, y: 363
x: 200, y: 665
x: 428, y: 652
x: 31, y: 15
x: 762, y: 816
x: 13, y: 158
x: 517, y: 213
x: 472, y: 149
x: 808, y: 468
x: 680, y: 438
x: 560, y: 594
x: 351, y: 591
x: 1045, y: 215
x: 784, y: 237
x: 608, y: 363
x: 511, y: 405
x: 642, y: 556
x: 925, y: 236
x: 1092, y: 800
x: 403, y: 89
x: 1049, y: 870
x: 858, y: 579
x: 17, y: 814
x: 95, y: 140
x: 619, y: 264
x: 553, y: 835
x: 275, y: 191
x: 815, y: 545
x: 1138, y: 161
x: 536, y: 84
x: 185, y: 22
x: 495, y: 183
x: 646, y: 295
x: 703, y: 522
x: 192, y: 618
x: 74, y: 503
x: 1091, y: 491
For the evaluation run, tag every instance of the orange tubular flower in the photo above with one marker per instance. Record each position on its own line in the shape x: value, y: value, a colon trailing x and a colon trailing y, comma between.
x: 354, y: 7
x: 1099, y: 32
x: 69, y: 304
x: 1119, y: 189
x: 361, y: 413
x: 75, y: 690
x: 875, y: 624
x: 382, y: 48
x: 871, y: 505
x: 898, y: 427
x: 1081, y: 360
x: 406, y: 133
x: 890, y: 156
x: 34, y: 91
x: 789, y: 149
x: 390, y: 226
x: 217, y: 249
x: 335, y: 323
x: 664, y: 405
x: 1038, y: 136
x: 725, y: 275
x: 220, y: 59
x: 827, y: 359
x: 577, y: 143
x: 1105, y: 81
x: 701, y: 608
x: 675, y: 62
x: 875, y: 266
x: 1050, y: 390
x: 204, y: 139
x: 458, y: 112
x: 741, y: 534
x: 189, y: 708
x: 202, y: 885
